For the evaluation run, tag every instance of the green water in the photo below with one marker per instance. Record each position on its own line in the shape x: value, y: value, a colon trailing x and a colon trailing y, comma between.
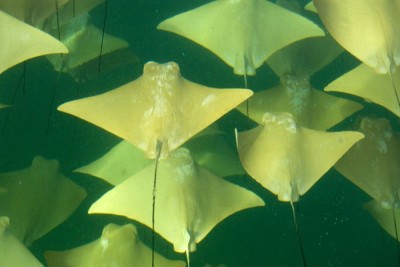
x: 335, y: 229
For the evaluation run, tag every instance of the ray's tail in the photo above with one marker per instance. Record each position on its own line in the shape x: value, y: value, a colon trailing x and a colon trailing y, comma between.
x: 298, y: 235
x: 102, y: 35
x: 153, y: 213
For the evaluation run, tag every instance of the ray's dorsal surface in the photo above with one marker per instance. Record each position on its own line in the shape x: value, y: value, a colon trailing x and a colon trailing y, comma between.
x: 243, y: 33
x: 159, y: 107
x: 287, y: 159
x: 373, y: 163
x: 38, y: 198
x: 21, y: 42
x: 190, y: 201
x: 12, y: 251
x: 118, y: 246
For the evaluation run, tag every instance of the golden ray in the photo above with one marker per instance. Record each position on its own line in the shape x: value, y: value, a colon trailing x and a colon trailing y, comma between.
x: 243, y: 33
x: 21, y: 42
x: 38, y: 199
x: 159, y: 107
x: 368, y: 29
x: 190, y: 200
x: 31, y: 12
x: 288, y: 160
x: 84, y: 41
x: 384, y: 216
x: 12, y: 251
x: 310, y: 107
x: 373, y: 163
x: 68, y: 12
x: 117, y: 246
x: 364, y: 82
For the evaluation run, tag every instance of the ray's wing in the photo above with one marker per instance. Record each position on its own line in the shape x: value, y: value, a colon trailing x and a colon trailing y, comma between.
x: 118, y: 164
x: 242, y: 33
x: 190, y: 200
x: 117, y: 246
x: 305, y: 57
x: 21, y: 42
x: 38, y: 198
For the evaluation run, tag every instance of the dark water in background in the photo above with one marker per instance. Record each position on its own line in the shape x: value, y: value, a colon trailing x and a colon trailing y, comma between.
x: 335, y: 229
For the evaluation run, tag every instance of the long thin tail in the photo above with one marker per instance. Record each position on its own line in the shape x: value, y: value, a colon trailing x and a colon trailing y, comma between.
x: 247, y: 100
x: 298, y: 235
x: 153, y: 236
x: 102, y: 35
x: 187, y: 258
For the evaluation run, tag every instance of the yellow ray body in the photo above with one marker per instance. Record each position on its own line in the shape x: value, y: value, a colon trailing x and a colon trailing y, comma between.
x: 384, y: 216
x: 118, y: 246
x: 368, y: 29
x: 160, y: 106
x: 190, y: 200
x: 38, y: 198
x: 243, y: 33
x: 12, y: 251
x: 288, y: 160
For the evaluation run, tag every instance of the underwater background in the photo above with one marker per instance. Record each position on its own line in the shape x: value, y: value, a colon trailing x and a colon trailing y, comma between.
x: 335, y: 229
